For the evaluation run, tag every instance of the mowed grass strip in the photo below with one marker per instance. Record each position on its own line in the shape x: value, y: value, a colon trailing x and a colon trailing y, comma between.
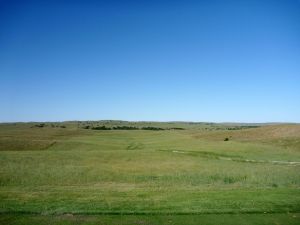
x: 207, y: 219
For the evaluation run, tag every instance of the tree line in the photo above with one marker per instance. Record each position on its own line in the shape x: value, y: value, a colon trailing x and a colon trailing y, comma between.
x: 130, y: 128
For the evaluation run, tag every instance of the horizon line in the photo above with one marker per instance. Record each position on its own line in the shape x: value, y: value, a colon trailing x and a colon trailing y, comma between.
x: 149, y: 121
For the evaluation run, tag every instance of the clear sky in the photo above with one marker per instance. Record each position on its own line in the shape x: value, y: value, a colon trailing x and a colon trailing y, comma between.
x: 207, y: 60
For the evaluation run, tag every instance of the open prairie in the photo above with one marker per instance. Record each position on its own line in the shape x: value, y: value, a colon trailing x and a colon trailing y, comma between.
x: 117, y: 172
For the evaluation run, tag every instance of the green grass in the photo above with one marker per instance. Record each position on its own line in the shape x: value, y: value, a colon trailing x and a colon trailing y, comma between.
x: 207, y: 219
x: 149, y: 177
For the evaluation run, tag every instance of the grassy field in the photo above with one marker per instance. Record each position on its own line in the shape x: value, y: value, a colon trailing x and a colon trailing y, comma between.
x: 63, y: 173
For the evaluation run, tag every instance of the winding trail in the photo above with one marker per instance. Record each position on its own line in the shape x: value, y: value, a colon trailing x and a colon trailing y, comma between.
x: 214, y: 155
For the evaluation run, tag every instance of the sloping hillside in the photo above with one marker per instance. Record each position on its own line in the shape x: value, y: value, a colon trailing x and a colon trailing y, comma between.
x: 287, y: 135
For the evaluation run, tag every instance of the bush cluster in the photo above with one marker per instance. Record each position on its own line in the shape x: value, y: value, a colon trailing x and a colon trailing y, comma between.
x: 129, y: 128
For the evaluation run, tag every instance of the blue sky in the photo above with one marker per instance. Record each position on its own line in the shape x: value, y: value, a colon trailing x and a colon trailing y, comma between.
x: 208, y: 60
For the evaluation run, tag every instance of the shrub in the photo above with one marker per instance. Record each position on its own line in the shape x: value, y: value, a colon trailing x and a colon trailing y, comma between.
x: 226, y: 139
x: 125, y: 128
x: 152, y: 128
x: 101, y: 128
x: 40, y: 125
x: 177, y: 128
